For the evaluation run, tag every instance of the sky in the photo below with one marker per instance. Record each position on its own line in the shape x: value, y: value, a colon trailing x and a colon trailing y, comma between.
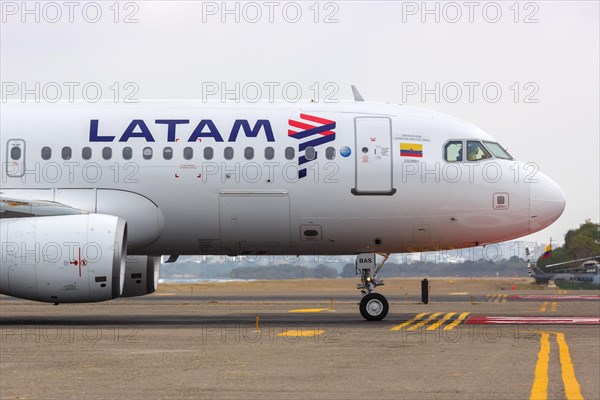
x: 527, y: 72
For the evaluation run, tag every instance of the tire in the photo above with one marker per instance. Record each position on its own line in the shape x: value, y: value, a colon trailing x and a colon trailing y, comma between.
x: 374, y: 307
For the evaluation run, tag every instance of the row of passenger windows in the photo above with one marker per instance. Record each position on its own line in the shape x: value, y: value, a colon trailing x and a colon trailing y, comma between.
x: 476, y: 150
x: 208, y: 153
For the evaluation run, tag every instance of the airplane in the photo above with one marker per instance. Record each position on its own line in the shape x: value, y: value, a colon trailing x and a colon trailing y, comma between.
x: 586, y: 276
x: 93, y: 195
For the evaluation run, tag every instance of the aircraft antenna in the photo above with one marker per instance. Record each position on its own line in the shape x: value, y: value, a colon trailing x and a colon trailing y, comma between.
x: 356, y: 94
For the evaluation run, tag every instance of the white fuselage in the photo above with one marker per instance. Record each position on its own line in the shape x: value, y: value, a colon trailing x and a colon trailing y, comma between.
x: 308, y: 178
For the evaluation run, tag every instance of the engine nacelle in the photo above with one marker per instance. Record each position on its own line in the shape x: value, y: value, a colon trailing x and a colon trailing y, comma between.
x: 63, y: 259
x: 141, y: 275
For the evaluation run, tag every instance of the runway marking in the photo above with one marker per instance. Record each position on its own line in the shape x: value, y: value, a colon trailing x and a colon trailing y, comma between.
x: 496, y: 298
x: 309, y: 310
x: 420, y: 324
x: 418, y: 317
x: 446, y: 317
x: 302, y: 333
x: 553, y: 306
x: 543, y: 307
x: 554, y: 297
x: 458, y: 293
x: 482, y: 320
x: 418, y: 321
x: 539, y: 390
x: 572, y: 389
x: 458, y: 321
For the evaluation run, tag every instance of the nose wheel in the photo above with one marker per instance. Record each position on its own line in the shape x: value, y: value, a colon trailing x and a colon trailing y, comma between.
x: 374, y: 307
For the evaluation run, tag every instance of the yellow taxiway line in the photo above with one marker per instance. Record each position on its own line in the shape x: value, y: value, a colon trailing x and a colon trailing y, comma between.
x: 572, y: 389
x: 302, y: 333
x: 539, y: 390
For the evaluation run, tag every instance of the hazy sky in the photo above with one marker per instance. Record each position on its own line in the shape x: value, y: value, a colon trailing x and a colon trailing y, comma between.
x: 543, y: 56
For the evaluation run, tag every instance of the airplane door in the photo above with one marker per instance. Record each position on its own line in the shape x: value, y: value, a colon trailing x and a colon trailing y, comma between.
x: 373, y: 156
x: 15, y: 158
x: 265, y: 217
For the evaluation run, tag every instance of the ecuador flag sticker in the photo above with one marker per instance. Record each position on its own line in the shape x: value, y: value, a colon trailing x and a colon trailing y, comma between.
x: 411, y: 150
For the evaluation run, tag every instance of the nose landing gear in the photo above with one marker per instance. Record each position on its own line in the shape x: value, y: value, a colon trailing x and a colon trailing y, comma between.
x: 373, y: 306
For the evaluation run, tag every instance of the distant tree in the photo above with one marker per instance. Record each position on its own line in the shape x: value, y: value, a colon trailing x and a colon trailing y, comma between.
x: 348, y: 271
x: 583, y: 242
x: 579, y: 243
x: 323, y: 271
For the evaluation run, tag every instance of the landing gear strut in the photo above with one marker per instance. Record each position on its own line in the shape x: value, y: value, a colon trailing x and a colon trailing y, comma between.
x: 373, y: 306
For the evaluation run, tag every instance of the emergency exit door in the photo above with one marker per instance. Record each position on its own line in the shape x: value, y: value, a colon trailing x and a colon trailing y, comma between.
x: 15, y: 158
x: 373, y: 156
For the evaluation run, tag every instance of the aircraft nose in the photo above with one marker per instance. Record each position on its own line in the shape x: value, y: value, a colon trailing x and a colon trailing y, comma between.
x: 546, y: 202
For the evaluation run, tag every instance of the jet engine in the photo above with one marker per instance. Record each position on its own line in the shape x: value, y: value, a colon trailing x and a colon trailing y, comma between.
x: 63, y: 259
x: 141, y: 275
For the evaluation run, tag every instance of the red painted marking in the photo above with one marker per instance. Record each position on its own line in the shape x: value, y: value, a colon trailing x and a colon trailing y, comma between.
x: 554, y: 297
x: 483, y: 320
x: 318, y: 120
x: 301, y: 125
x: 79, y: 262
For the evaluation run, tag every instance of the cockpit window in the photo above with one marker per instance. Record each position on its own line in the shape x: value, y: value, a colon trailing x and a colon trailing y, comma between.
x: 453, y: 151
x: 476, y: 151
x: 497, y: 150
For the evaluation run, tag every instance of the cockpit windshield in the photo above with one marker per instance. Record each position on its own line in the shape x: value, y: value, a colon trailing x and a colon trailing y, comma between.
x: 497, y: 150
x: 476, y: 151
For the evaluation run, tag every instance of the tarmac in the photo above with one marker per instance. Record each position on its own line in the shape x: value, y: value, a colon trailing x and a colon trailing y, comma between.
x: 306, y: 339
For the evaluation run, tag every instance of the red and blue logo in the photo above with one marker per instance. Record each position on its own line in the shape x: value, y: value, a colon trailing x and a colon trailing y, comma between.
x: 312, y: 131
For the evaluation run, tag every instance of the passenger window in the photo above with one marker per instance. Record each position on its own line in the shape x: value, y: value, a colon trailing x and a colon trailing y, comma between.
x: 269, y: 153
x: 310, y: 153
x: 330, y: 153
x: 15, y: 153
x: 86, y: 153
x: 46, y: 153
x: 66, y: 153
x: 168, y: 153
x: 289, y: 153
x: 188, y: 153
x: 127, y: 153
x: 453, y: 151
x: 476, y: 151
x: 249, y: 153
x: 208, y: 153
x: 228, y: 153
x: 107, y: 153
x: 147, y: 153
